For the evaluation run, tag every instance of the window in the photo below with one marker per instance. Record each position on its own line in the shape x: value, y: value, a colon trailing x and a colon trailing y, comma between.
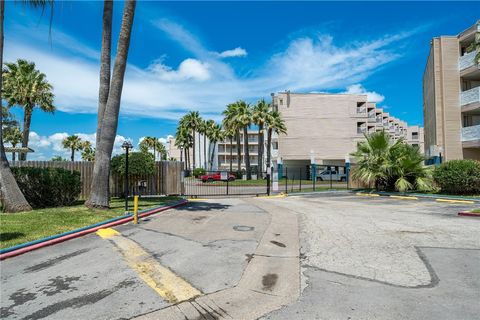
x: 275, y: 145
x: 415, y: 145
x: 280, y: 101
x: 415, y: 135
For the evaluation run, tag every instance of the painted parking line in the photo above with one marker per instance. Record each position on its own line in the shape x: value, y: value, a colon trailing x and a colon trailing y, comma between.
x: 167, y: 284
x: 455, y: 201
x: 367, y: 194
x: 404, y: 197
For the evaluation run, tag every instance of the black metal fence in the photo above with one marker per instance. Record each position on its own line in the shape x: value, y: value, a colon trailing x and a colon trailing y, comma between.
x: 225, y: 183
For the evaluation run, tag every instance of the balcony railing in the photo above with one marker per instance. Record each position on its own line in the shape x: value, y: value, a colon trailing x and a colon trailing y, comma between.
x: 361, y: 130
x: 471, y: 133
x: 470, y: 96
x: 467, y: 60
x: 361, y: 110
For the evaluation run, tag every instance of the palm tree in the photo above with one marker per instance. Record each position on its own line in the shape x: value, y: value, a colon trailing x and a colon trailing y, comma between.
x: 11, y: 195
x: 27, y: 87
x: 230, y: 122
x: 392, y: 165
x: 209, y: 128
x: 151, y: 143
x: 215, y: 134
x: 273, y: 123
x: 192, y: 121
x: 14, y: 136
x: 183, y: 140
x: 108, y: 122
x: 244, y: 119
x: 259, y: 116
x: 88, y: 152
x: 74, y: 143
x: 230, y: 134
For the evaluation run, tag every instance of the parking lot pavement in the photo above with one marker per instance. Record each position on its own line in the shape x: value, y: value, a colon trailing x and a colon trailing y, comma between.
x: 206, y: 244
x: 383, y: 258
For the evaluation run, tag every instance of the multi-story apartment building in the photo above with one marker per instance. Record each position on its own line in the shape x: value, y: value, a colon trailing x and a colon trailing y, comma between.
x: 325, y: 128
x: 451, y: 97
x: 224, y: 147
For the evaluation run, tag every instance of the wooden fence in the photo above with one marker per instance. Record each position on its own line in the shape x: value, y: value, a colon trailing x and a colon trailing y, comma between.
x: 165, y: 181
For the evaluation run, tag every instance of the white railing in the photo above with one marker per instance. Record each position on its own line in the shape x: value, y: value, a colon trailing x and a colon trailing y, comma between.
x: 471, y: 133
x: 470, y: 96
x: 467, y: 60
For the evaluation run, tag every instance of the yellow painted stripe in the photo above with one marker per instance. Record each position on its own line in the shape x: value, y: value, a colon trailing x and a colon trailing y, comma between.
x: 281, y: 195
x: 197, y: 199
x: 404, y: 197
x: 455, y: 201
x: 107, y: 233
x: 367, y: 194
x: 166, y: 283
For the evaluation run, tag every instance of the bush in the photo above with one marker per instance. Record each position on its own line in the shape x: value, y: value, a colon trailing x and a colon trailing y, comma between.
x: 48, y: 187
x: 198, y: 172
x: 458, y: 177
x: 139, y: 163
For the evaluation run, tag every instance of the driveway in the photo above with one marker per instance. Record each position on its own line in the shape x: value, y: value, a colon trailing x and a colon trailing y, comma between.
x: 380, y: 258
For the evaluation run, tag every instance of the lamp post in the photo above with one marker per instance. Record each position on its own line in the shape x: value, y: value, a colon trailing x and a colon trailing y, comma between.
x: 126, y: 145
x: 440, y: 150
x: 347, y: 170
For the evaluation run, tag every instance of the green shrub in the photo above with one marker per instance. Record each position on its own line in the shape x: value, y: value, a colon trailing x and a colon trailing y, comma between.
x: 198, y: 172
x: 458, y: 177
x: 139, y: 163
x: 48, y: 187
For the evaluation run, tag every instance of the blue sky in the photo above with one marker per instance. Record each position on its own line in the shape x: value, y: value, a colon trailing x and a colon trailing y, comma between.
x: 203, y: 55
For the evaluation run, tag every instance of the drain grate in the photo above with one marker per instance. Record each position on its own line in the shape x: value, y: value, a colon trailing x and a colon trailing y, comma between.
x: 243, y: 228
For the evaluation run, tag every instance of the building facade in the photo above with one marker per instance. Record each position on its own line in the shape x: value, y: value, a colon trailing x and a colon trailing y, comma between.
x: 451, y: 97
x: 325, y: 128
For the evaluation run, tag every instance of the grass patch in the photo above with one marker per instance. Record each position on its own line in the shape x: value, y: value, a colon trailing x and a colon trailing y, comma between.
x: 476, y: 210
x: 16, y: 228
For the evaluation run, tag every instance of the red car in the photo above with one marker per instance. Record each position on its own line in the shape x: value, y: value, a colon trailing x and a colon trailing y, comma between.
x: 217, y: 176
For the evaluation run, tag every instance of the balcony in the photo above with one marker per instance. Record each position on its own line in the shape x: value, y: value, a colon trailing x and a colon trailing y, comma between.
x: 471, y: 136
x: 470, y: 97
x: 466, y: 61
x: 361, y: 130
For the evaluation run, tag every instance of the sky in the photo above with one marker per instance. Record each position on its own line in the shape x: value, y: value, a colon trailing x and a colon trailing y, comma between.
x: 203, y: 55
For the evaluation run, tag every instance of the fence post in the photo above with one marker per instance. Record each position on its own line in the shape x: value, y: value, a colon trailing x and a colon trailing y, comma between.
x: 228, y: 181
x: 300, y: 179
x: 293, y: 181
x: 330, y: 169
x: 268, y: 183
x: 286, y: 180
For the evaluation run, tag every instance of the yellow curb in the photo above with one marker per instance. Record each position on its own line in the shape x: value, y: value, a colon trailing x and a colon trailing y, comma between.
x: 404, y: 197
x: 197, y: 199
x: 107, y: 233
x: 167, y: 284
x: 455, y: 201
x: 281, y: 195
x: 367, y: 194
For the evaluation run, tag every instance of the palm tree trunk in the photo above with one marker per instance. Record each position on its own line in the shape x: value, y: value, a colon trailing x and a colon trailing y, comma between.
x: 27, y: 119
x: 105, y: 65
x: 260, y: 151
x: 10, y: 194
x: 72, y: 156
x: 99, y: 195
x: 239, y: 152
x: 269, y: 149
x: 213, y: 154
x: 231, y: 154
x: 193, y: 151
x: 247, y: 153
x: 199, y: 151
x: 205, y: 150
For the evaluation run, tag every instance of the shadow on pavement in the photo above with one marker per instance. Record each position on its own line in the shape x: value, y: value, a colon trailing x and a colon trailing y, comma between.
x: 203, y: 206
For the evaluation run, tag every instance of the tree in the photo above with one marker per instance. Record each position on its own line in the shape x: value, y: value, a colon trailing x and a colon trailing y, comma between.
x: 28, y: 88
x: 244, y: 119
x: 230, y: 123
x: 183, y: 140
x: 192, y: 121
x: 259, y: 116
x: 391, y: 165
x: 108, y: 122
x: 74, y: 143
x: 273, y: 123
x: 58, y: 158
x: 151, y: 143
x: 215, y: 134
x: 88, y: 152
x: 14, y: 136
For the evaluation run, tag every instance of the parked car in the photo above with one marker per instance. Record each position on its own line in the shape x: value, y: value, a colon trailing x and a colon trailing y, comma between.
x: 335, y: 176
x: 217, y: 176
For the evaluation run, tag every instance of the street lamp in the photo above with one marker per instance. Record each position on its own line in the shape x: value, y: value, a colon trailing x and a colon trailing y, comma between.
x: 126, y: 145
x: 440, y: 150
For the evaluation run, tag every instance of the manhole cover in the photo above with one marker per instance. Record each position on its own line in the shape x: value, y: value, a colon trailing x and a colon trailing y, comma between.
x: 243, y: 228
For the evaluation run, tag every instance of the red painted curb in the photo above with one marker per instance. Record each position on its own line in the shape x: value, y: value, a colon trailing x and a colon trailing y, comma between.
x: 84, y: 232
x: 469, y: 214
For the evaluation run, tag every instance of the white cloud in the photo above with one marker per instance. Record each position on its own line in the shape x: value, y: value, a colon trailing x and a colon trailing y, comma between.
x: 372, y: 96
x: 206, y: 82
x: 237, y: 52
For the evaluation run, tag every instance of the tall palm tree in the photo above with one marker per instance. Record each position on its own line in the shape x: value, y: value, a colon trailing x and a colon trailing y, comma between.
x: 215, y: 134
x: 107, y: 128
x: 244, y: 119
x: 14, y: 136
x: 273, y: 123
x: 183, y: 140
x: 154, y: 144
x: 192, y: 121
x: 27, y: 87
x: 11, y: 195
x: 88, y: 152
x: 392, y: 165
x: 230, y: 122
x: 209, y: 127
x: 230, y: 134
x: 259, y: 116
x: 74, y: 143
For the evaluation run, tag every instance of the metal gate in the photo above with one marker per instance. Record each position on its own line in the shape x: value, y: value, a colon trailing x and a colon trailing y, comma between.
x: 224, y: 183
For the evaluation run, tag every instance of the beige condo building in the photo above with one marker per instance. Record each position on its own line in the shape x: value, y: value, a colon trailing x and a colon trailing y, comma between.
x: 451, y: 97
x: 325, y: 128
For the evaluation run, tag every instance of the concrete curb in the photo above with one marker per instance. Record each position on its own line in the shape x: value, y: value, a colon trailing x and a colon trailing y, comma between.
x: 469, y: 214
x: 37, y: 244
x: 417, y: 196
